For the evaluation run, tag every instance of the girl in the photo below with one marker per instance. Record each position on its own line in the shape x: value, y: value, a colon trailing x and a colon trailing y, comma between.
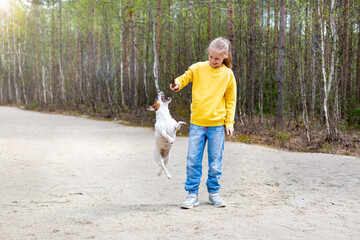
x: 212, y: 108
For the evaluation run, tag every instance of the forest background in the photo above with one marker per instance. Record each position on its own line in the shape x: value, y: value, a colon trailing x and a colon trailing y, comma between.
x: 296, y: 62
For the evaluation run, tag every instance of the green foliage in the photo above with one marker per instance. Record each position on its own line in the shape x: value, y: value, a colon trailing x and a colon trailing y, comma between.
x: 32, y: 106
x: 283, y: 137
x: 353, y: 117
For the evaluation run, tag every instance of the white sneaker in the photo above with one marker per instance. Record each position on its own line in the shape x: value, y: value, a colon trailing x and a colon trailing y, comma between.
x: 191, y: 201
x: 215, y: 199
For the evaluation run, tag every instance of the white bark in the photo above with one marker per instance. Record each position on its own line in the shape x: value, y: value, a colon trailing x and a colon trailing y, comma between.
x: 62, y: 81
x: 303, y: 89
x: 334, y: 34
x: 326, y: 84
x: 156, y: 74
x: 62, y: 78
x: 50, y: 85
x: 303, y: 99
x: 333, y: 66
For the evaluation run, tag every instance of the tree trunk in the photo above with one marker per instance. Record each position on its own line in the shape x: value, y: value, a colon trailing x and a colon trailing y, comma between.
x: 261, y: 65
x: 276, y: 33
x: 54, y: 85
x: 269, y: 63
x: 21, y: 75
x: 17, y: 95
x: 122, y: 93
x: 209, y: 26
x: 125, y: 59
x: 251, y: 59
x: 345, y: 60
x: 230, y: 23
x: 133, y: 58
x: 240, y: 73
x: 20, y: 62
x: 156, y: 58
x: 62, y: 77
x: 333, y: 72
x: 158, y: 43
x: 303, y: 85
x: 292, y: 71
x: 358, y: 65
x: 188, y: 33
x: 326, y: 93
x: 2, y: 61
x: 314, y: 60
x: 307, y: 43
x: 42, y: 57
x: 279, y: 69
x: 169, y: 47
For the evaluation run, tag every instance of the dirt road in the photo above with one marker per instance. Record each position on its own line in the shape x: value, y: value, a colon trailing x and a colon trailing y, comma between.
x: 64, y: 177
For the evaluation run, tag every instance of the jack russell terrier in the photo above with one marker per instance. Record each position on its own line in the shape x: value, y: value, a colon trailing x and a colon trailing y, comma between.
x: 165, y: 131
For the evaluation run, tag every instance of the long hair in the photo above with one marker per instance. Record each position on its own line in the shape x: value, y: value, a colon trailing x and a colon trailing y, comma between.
x: 223, y: 45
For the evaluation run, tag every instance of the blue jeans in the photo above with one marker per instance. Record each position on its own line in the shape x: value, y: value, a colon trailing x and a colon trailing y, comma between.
x: 197, y: 140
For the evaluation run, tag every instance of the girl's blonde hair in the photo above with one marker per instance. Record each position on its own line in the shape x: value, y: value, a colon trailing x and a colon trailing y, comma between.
x: 223, y: 45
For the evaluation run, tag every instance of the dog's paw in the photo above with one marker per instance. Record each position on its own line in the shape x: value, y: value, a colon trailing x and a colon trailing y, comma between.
x: 171, y: 140
x: 182, y: 123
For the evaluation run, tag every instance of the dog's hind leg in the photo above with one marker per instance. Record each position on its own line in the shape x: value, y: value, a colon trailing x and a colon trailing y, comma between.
x: 166, y: 160
x: 167, y: 173
x: 161, y: 169
x: 161, y: 160
x: 162, y: 165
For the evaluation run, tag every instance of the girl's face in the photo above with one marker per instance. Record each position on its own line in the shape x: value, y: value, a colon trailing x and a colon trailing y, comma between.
x: 216, y: 58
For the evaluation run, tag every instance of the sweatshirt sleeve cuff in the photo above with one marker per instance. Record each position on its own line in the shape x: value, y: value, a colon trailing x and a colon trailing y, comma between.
x: 176, y: 81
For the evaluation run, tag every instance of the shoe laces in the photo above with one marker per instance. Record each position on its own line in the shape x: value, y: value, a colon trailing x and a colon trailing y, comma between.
x: 190, y: 196
x: 215, y: 196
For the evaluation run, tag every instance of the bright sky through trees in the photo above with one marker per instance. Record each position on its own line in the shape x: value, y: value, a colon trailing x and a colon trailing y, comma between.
x: 4, y: 5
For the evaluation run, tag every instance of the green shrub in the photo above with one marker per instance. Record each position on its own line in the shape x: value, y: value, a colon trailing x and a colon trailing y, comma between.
x: 353, y: 117
x: 283, y: 137
x: 32, y: 106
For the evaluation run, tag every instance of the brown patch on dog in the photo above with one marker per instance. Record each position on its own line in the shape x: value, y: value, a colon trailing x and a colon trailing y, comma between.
x: 164, y: 152
x: 154, y: 107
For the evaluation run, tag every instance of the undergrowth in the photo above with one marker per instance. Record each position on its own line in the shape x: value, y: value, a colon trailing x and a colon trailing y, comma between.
x: 292, y: 137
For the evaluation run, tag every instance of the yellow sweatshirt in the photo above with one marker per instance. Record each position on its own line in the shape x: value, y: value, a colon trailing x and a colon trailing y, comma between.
x: 213, y: 94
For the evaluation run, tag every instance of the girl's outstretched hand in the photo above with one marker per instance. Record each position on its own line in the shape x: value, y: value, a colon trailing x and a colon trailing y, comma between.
x: 174, y: 87
x: 230, y: 131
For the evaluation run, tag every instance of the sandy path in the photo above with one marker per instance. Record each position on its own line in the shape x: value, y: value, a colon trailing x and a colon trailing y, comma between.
x: 64, y: 177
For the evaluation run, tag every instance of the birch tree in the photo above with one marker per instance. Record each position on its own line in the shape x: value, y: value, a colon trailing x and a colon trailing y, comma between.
x: 327, y: 82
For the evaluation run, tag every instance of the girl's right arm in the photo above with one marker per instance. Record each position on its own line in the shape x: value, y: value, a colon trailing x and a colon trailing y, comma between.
x: 183, y: 80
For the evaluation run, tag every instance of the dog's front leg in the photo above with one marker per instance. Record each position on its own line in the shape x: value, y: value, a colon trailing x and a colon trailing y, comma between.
x: 179, y: 124
x: 166, y: 136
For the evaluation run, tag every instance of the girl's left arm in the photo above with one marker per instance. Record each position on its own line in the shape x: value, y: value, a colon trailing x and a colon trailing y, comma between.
x: 230, y: 101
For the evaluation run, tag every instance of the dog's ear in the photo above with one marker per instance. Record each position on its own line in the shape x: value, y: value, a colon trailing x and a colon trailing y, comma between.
x: 151, y: 108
